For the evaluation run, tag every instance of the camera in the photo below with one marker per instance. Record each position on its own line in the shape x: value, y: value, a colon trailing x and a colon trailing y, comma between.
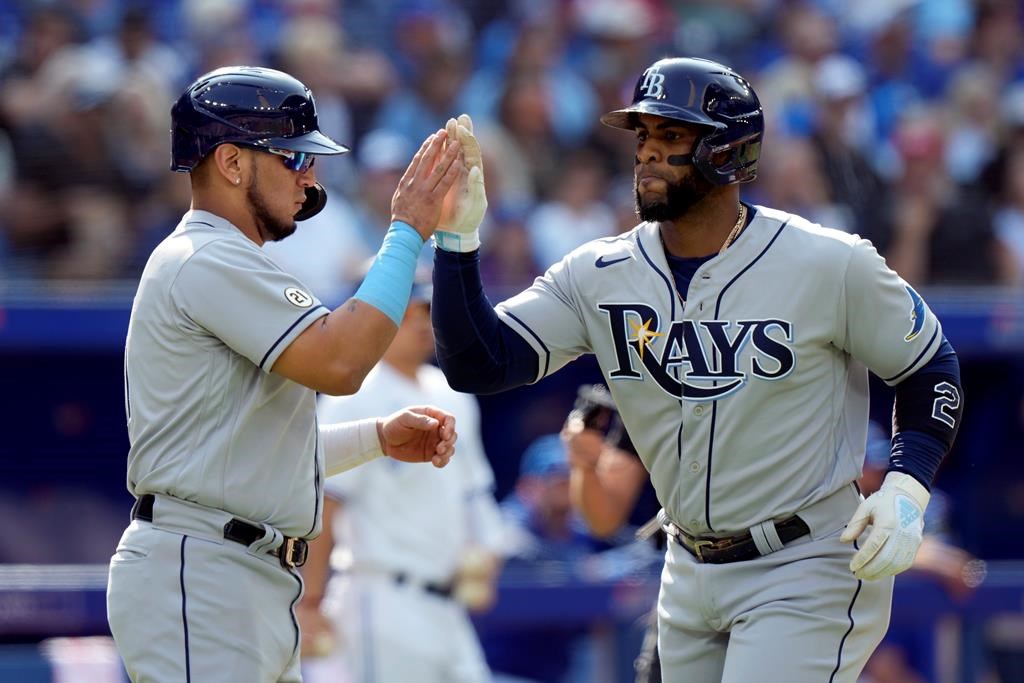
x: 595, y: 408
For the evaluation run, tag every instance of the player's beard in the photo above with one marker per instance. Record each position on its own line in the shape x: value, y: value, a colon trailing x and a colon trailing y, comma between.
x: 679, y: 198
x: 270, y: 228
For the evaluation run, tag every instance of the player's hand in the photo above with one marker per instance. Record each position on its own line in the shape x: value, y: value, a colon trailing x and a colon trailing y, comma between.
x: 895, y: 513
x: 466, y: 203
x: 318, y: 638
x: 418, y: 434
x: 475, y: 578
x: 426, y: 181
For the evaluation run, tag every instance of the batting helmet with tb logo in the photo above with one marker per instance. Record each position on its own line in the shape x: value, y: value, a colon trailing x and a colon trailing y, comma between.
x: 708, y: 94
x: 254, y: 107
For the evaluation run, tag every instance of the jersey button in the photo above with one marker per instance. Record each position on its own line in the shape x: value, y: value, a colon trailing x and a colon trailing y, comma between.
x: 698, y: 411
x: 695, y: 467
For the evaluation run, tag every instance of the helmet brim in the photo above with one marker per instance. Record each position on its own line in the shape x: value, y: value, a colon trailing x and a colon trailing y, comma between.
x: 313, y: 142
x: 620, y: 118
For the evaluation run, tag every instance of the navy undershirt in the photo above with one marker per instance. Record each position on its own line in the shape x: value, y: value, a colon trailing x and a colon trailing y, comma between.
x: 684, y: 267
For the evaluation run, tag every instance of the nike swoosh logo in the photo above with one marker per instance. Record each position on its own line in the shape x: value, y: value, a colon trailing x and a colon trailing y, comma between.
x: 602, y: 263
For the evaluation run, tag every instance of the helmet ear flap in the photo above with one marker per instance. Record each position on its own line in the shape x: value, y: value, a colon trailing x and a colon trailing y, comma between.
x: 741, y: 157
x: 316, y: 199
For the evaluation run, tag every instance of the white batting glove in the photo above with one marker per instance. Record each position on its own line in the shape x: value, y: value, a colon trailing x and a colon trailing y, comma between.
x: 464, y: 207
x: 896, y: 515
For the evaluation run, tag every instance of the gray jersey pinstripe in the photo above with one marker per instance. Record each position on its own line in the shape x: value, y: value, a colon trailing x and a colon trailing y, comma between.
x: 750, y: 401
x: 207, y: 421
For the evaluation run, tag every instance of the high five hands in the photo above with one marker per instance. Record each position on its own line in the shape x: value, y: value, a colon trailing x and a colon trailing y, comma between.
x: 466, y: 203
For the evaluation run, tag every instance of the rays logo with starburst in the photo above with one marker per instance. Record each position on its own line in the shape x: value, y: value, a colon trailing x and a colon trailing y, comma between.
x: 697, y: 360
x: 643, y: 335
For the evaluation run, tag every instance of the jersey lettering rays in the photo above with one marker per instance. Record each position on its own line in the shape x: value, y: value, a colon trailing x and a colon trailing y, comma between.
x: 699, y: 360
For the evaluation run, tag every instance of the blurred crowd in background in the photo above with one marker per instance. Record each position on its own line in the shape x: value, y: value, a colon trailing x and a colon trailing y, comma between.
x: 900, y: 120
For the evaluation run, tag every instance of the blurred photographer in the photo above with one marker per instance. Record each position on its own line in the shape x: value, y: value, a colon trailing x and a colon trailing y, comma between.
x: 610, y: 487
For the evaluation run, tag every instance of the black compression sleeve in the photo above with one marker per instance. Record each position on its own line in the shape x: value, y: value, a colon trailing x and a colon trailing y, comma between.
x: 476, y: 351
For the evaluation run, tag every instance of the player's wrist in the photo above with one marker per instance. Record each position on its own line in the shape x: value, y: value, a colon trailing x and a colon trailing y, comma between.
x: 387, y: 285
x: 402, y: 225
x: 458, y: 242
x: 909, y: 485
x: 348, y: 444
x: 381, y: 441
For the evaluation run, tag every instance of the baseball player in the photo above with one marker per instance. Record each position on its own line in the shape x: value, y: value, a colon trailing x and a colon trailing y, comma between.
x: 224, y: 355
x: 735, y: 340
x: 403, y: 580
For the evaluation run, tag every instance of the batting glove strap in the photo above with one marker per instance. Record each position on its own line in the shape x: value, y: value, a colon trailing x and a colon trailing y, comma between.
x: 460, y: 242
x: 895, y: 516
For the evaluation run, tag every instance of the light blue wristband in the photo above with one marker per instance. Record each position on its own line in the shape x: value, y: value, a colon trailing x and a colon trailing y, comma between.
x: 388, y: 283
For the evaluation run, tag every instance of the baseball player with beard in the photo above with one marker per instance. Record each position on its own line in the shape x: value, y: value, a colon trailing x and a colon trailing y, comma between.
x: 736, y: 341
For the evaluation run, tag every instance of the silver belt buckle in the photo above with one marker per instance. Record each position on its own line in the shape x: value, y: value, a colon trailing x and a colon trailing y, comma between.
x: 293, y: 552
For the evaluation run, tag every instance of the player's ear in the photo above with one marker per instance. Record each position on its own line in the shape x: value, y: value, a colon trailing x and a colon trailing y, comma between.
x: 227, y: 163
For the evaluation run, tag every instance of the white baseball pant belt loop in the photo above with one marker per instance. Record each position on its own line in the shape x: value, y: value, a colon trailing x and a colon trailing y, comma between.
x: 185, y: 517
x: 766, y: 537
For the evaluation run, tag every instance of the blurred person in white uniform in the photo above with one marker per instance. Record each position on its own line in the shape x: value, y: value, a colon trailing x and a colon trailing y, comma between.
x: 389, y: 589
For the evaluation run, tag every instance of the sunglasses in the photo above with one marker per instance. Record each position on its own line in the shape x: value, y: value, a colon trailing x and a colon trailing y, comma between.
x: 300, y: 162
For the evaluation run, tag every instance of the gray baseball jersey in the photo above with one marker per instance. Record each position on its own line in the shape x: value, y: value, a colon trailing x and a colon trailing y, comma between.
x: 747, y: 396
x: 207, y: 421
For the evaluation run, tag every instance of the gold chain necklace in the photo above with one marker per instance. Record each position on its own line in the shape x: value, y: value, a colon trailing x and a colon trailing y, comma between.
x: 735, y: 229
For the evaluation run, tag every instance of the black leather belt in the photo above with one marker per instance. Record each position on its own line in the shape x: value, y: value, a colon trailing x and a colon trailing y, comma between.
x: 291, y: 553
x: 443, y: 590
x: 734, y: 548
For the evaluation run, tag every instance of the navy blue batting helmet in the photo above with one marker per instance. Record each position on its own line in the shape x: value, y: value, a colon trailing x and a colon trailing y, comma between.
x: 250, y: 106
x: 708, y: 94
